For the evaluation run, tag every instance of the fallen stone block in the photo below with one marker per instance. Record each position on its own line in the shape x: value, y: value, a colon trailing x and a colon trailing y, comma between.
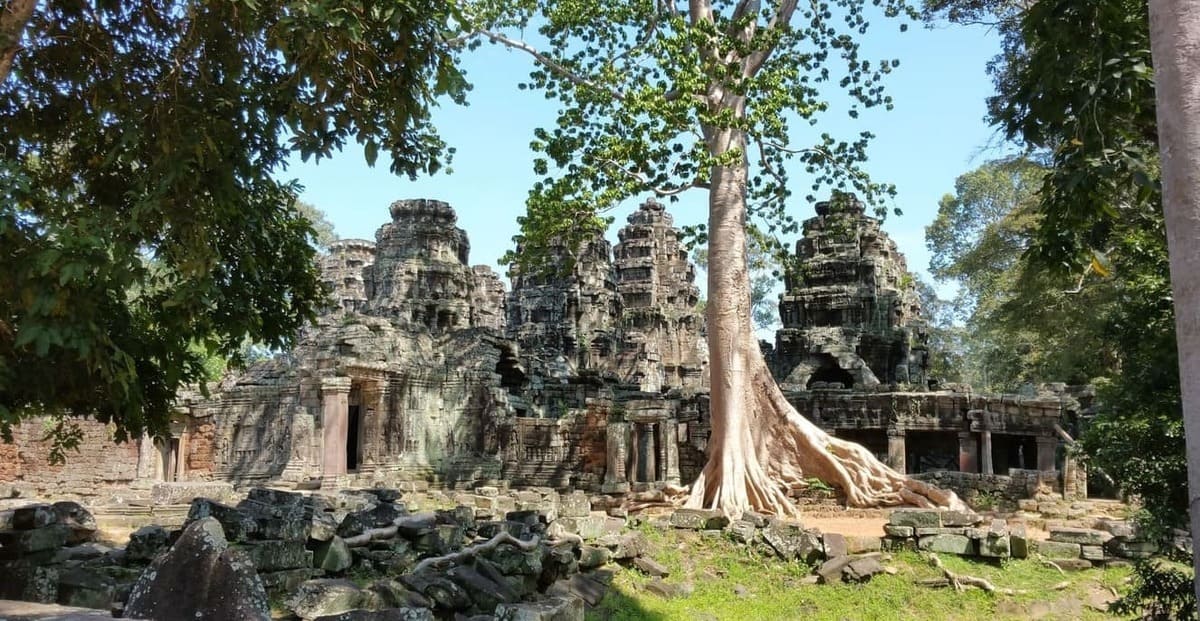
x: 387, y: 614
x: 916, y: 518
x: 699, y: 519
x: 200, y: 577
x: 1058, y: 549
x: 651, y: 567
x: 551, y: 609
x: 862, y: 569
x: 1081, y: 536
x: 948, y: 544
x: 333, y: 555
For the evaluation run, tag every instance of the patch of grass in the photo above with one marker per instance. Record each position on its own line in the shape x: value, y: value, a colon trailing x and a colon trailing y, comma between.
x: 732, y: 582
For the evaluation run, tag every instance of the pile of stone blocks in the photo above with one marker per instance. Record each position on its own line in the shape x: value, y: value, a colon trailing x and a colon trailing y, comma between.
x: 1110, y: 542
x: 47, y: 555
x: 955, y: 532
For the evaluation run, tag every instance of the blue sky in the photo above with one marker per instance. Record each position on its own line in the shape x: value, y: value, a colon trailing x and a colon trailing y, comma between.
x: 935, y: 133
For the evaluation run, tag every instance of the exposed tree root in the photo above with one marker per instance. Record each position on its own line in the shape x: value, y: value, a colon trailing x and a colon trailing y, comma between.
x: 466, y: 554
x: 386, y: 532
x: 960, y: 582
x: 774, y: 449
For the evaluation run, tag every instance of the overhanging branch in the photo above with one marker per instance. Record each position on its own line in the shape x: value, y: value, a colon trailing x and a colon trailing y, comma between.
x: 543, y: 60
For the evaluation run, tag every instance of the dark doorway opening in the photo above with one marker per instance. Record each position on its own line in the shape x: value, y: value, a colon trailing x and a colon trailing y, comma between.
x: 1013, y: 452
x: 352, y: 438
x: 830, y: 375
x: 931, y: 451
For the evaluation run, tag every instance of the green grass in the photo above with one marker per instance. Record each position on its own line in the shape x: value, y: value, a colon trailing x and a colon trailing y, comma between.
x: 775, y: 590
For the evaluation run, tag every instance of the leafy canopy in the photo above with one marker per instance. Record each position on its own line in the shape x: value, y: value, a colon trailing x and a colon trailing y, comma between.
x: 645, y: 85
x: 142, y: 225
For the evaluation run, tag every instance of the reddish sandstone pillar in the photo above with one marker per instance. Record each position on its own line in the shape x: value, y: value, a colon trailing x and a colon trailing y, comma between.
x: 968, y: 452
x: 335, y: 414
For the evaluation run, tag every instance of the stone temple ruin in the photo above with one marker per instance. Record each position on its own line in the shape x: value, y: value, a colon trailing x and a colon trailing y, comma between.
x: 425, y: 371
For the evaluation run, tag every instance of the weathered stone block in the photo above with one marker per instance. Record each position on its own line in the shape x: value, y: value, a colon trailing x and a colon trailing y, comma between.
x: 288, y: 580
x: 322, y: 597
x: 592, y: 526
x: 1091, y: 553
x: 237, y: 525
x: 591, y: 557
x: 651, y: 567
x: 278, y: 555
x: 85, y: 588
x: 742, y: 531
x: 948, y: 544
x: 834, y: 544
x: 926, y: 531
x: 18, y: 543
x: 699, y: 519
x: 552, y: 609
x: 630, y: 545
x: 388, y: 614
x: 862, y: 569
x: 145, y: 543
x: 898, y: 531
x: 1018, y: 542
x: 1082, y: 536
x: 856, y: 544
x: 917, y: 518
x: 994, y: 546
x: 573, y: 505
x: 201, y: 577
x: 1058, y: 549
x: 512, y: 561
x: 332, y: 556
x: 1131, y: 549
x: 960, y: 518
x: 34, y: 516
x: 791, y: 542
x: 29, y: 583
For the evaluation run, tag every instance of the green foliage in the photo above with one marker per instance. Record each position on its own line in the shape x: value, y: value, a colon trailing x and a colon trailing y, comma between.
x: 645, y: 88
x: 142, y: 228
x: 1163, y: 590
x: 1075, y: 85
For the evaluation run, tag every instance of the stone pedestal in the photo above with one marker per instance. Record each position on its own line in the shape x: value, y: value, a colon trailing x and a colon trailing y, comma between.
x: 1046, y: 446
x: 968, y: 452
x: 896, y: 448
x: 335, y: 407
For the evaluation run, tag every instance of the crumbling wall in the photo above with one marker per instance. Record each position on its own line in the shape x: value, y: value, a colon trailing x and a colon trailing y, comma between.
x: 98, y: 465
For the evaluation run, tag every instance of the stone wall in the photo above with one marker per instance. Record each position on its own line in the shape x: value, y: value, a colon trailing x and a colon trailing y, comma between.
x: 99, y: 466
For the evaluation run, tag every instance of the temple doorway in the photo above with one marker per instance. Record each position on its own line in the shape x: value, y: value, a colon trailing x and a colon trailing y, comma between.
x: 352, y: 438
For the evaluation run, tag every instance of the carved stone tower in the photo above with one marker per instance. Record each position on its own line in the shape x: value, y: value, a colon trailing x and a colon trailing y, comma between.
x: 851, y: 314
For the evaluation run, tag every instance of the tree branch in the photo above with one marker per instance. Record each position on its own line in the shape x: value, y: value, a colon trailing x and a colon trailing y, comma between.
x: 781, y: 18
x: 543, y: 60
x: 14, y: 17
x: 658, y: 191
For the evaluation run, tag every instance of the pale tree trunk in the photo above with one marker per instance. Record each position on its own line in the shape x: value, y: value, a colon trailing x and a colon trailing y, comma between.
x: 1175, y: 45
x: 760, y: 447
x: 14, y: 15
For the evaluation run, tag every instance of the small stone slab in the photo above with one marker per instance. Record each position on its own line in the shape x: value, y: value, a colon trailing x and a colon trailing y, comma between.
x: 891, y: 530
x: 1058, y: 549
x: 1018, y: 542
x: 830, y: 571
x: 948, y: 544
x: 862, y: 569
x: 1131, y: 549
x: 1091, y: 553
x: 925, y: 532
x: 651, y: 567
x: 333, y: 555
x: 835, y: 545
x: 917, y: 518
x: 1082, y: 536
x: 960, y: 518
x: 699, y: 519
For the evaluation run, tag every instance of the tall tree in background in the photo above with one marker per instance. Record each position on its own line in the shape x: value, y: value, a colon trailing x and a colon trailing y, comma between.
x: 142, y: 226
x: 1175, y: 41
x: 662, y: 98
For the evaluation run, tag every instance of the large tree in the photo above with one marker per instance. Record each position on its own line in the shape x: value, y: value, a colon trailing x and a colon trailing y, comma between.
x: 658, y: 97
x: 143, y: 224
x: 1175, y: 42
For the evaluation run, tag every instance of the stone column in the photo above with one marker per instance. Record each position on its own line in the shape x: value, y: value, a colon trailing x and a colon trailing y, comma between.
x: 968, y: 452
x: 896, y: 449
x: 670, y: 448
x: 647, y: 460
x: 985, y: 451
x: 335, y: 414
x: 1046, y: 446
x: 616, y: 480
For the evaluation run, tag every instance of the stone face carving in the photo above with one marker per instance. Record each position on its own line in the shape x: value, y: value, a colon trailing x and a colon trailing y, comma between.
x: 342, y: 271
x: 850, y: 314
